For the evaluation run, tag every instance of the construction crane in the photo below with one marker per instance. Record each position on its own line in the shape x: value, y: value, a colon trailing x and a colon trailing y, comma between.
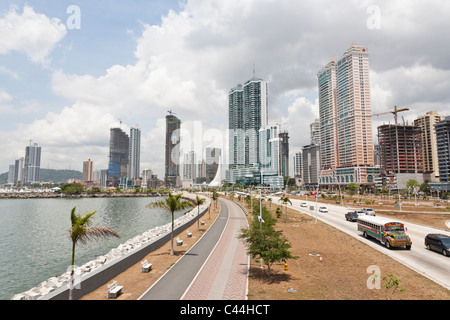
x: 396, y: 110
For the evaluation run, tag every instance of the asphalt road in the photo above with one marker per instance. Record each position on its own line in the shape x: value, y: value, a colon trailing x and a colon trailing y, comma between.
x: 216, y: 267
x: 430, y: 264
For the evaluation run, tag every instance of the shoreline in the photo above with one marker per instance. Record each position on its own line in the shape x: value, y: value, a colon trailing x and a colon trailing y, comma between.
x: 54, y: 284
x: 55, y: 195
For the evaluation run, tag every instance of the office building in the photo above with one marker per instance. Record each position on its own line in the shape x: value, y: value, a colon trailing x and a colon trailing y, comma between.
x: 400, y: 148
x: 119, y: 144
x: 172, y: 160
x: 32, y: 164
x: 134, y: 156
x: 18, y: 172
x: 88, y: 169
x: 429, y: 144
x: 311, y: 164
x: 190, y: 166
x: 284, y: 153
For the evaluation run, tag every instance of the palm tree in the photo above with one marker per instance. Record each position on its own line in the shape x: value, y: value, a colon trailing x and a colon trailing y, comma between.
x: 198, y: 201
x: 215, y: 196
x: 171, y: 203
x: 285, y: 200
x: 80, y: 232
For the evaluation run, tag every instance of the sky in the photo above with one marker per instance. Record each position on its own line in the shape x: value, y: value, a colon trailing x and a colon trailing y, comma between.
x: 71, y: 70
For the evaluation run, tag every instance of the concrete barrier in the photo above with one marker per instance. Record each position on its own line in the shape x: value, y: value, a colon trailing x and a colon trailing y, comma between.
x: 101, y: 270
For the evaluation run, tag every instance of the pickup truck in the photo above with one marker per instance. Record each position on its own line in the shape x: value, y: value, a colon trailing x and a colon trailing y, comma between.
x: 351, y: 216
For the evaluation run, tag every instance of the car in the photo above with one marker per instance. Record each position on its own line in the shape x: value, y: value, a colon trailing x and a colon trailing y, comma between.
x: 368, y: 211
x: 303, y: 204
x: 323, y: 209
x: 351, y: 216
x: 438, y: 242
x: 359, y: 213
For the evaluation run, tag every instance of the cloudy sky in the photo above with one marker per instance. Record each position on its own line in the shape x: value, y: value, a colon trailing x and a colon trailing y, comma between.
x: 69, y: 73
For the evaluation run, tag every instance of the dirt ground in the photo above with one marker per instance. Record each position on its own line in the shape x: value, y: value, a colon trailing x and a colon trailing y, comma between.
x: 341, y: 274
x: 135, y: 283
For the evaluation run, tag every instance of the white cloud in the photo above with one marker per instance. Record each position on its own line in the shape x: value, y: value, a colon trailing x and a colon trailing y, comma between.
x: 31, y: 33
x: 191, y: 59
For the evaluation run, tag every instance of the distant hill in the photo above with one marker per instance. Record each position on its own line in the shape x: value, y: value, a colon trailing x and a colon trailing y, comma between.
x: 50, y: 175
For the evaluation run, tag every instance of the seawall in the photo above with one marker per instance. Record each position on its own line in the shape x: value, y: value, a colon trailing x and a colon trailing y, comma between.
x: 97, y: 272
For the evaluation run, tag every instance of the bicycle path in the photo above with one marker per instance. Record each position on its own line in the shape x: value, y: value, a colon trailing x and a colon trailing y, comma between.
x: 215, y: 268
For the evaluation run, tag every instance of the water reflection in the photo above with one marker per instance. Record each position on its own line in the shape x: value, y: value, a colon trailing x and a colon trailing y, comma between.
x: 34, y: 240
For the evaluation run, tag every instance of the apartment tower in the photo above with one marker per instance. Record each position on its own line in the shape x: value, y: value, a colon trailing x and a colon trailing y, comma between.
x: 172, y: 161
x: 429, y: 144
x: 346, y: 119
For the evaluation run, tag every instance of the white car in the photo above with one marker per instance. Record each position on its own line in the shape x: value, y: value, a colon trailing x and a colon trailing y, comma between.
x: 323, y: 209
x: 303, y: 204
x: 368, y: 211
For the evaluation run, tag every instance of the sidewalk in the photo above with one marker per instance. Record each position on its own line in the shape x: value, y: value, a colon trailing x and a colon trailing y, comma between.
x: 216, y: 268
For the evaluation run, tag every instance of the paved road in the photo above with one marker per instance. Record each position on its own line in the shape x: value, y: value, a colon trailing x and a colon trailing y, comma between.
x: 431, y: 264
x: 215, y: 268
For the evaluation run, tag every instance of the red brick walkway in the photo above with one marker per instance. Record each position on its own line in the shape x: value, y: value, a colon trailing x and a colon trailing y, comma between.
x: 224, y: 276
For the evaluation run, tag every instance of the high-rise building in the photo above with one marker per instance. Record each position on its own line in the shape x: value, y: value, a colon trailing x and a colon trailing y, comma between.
x: 134, y: 161
x: 119, y: 144
x: 443, y: 150
x: 314, y: 129
x: 298, y: 164
x: 311, y: 164
x: 400, y: 148
x: 11, y: 170
x: 248, y: 113
x: 18, y: 171
x: 190, y: 166
x: 429, y: 145
x: 236, y: 127
x: 346, y: 118
x: 255, y: 117
x: 32, y: 163
x: 327, y: 126
x: 88, y: 168
x: 212, y: 163
x: 172, y: 161
x: 284, y: 153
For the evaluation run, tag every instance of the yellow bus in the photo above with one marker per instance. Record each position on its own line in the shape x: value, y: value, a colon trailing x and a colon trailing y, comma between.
x: 390, y: 233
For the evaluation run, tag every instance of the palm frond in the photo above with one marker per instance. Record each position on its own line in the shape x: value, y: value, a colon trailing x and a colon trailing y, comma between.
x: 97, y: 232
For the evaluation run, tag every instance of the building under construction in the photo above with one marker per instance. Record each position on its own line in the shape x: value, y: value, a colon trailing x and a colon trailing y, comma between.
x: 400, y: 149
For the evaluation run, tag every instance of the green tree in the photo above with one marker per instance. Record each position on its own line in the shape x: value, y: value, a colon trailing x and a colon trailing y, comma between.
x: 352, y: 188
x: 391, y: 286
x: 198, y: 202
x: 72, y: 188
x: 264, y: 242
x: 285, y: 200
x: 172, y: 204
x: 412, y: 185
x: 80, y: 232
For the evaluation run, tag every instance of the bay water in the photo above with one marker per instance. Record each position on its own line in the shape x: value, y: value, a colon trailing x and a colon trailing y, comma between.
x: 34, y: 237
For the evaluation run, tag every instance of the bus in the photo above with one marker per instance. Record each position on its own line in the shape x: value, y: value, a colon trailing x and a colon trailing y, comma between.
x: 389, y: 233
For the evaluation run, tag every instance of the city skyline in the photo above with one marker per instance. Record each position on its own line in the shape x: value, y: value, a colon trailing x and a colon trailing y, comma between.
x: 135, y: 62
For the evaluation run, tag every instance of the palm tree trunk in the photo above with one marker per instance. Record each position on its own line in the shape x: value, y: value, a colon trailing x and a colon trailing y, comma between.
x: 198, y: 219
x: 171, y: 237
x: 72, y: 272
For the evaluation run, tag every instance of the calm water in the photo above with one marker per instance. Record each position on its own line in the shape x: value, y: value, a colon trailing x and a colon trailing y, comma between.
x: 34, y: 237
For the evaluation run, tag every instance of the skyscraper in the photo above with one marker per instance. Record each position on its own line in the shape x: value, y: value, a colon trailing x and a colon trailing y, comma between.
x: 32, y: 163
x: 346, y: 119
x: 443, y: 150
x: 118, y: 157
x: 172, y: 162
x: 134, y: 161
x: 429, y: 145
x: 88, y: 167
x: 255, y: 117
x: 248, y: 113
